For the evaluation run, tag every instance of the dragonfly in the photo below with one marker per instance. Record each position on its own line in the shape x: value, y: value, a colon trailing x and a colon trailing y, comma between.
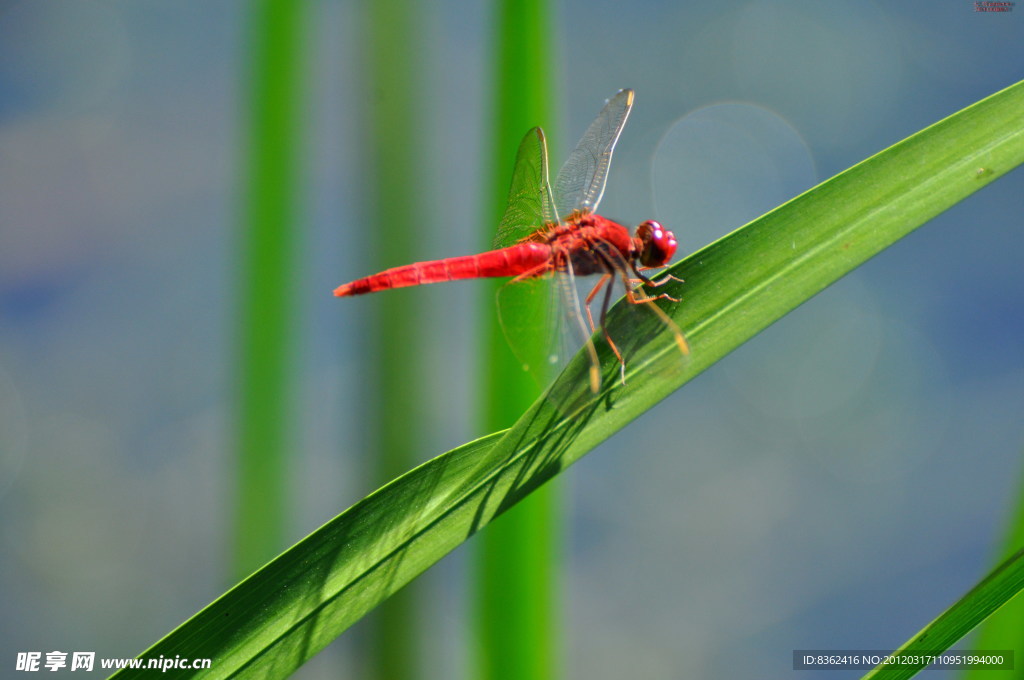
x: 556, y: 231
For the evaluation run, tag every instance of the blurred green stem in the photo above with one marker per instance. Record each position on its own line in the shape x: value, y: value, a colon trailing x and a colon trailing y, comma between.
x: 517, y: 594
x: 395, y: 384
x: 264, y: 341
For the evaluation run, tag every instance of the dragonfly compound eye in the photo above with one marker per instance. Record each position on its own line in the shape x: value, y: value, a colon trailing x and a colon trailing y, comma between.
x: 659, y: 244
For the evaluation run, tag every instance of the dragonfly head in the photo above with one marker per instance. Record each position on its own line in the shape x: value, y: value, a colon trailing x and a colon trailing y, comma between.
x: 657, y: 244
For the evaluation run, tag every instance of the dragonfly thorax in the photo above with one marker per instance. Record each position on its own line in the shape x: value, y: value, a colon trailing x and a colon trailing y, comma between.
x: 593, y: 244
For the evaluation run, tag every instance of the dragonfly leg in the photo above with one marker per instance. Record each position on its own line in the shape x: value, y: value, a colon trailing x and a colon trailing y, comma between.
x: 590, y: 298
x: 632, y: 297
x: 664, y: 296
x: 654, y: 284
x: 604, y: 328
x: 662, y: 281
x: 680, y: 339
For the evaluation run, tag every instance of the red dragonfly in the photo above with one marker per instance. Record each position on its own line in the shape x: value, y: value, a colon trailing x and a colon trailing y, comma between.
x: 535, y: 238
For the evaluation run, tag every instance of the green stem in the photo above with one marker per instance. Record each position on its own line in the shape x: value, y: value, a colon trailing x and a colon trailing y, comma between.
x: 393, y: 401
x: 266, y: 317
x: 517, y: 570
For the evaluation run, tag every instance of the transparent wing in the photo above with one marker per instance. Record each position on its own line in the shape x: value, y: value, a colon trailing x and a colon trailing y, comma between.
x: 543, y: 340
x: 576, y: 328
x: 581, y: 181
x: 530, y: 205
x: 529, y: 318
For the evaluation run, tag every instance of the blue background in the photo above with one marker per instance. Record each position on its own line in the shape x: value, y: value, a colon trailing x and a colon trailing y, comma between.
x: 834, y: 484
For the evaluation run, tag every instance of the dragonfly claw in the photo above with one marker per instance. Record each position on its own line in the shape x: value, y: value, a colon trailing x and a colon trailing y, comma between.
x: 663, y: 280
x: 663, y: 296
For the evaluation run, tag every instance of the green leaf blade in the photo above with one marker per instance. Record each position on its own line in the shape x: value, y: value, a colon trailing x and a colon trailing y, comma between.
x: 734, y: 288
x: 994, y: 591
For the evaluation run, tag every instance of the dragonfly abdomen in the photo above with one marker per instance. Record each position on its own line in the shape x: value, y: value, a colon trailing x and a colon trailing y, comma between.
x: 511, y: 261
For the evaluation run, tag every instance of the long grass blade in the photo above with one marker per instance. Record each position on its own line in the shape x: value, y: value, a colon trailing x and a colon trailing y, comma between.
x: 1005, y: 628
x: 994, y: 591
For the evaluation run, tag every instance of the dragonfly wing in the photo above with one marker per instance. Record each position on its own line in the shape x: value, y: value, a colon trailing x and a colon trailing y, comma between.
x: 545, y: 340
x: 524, y: 305
x: 530, y: 204
x: 576, y: 327
x: 581, y: 181
x: 528, y: 318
